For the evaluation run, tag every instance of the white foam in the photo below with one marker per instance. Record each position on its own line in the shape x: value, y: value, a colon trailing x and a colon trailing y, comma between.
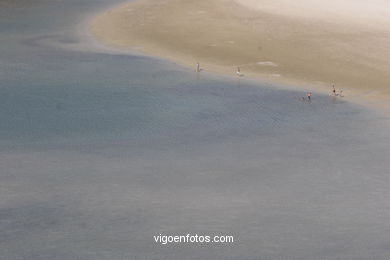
x: 267, y: 64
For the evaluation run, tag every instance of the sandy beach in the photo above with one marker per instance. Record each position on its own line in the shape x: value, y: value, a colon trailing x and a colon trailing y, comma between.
x: 306, y: 43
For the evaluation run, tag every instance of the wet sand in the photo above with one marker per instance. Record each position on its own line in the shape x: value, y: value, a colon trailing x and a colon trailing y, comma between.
x: 267, y: 40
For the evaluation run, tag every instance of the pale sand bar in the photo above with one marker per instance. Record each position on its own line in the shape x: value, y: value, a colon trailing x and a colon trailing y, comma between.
x: 296, y: 42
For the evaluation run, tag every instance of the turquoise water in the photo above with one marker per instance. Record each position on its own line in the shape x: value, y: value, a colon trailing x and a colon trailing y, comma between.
x: 102, y: 150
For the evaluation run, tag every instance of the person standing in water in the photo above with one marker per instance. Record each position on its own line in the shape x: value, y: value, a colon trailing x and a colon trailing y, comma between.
x: 238, y: 71
x: 198, y: 67
x: 334, y: 91
x: 309, y: 96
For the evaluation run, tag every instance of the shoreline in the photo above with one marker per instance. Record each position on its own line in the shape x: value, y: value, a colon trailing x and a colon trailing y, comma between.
x: 308, y: 56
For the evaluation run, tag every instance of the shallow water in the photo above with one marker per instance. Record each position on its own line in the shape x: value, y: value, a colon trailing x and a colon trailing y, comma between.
x: 100, y: 151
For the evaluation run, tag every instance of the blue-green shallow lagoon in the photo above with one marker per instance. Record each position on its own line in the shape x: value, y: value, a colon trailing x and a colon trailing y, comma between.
x: 102, y: 150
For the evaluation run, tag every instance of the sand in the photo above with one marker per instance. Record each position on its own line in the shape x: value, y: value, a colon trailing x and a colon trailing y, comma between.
x: 302, y: 44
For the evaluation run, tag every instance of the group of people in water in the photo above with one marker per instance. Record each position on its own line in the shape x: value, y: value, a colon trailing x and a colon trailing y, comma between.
x: 308, y: 95
x: 334, y: 94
